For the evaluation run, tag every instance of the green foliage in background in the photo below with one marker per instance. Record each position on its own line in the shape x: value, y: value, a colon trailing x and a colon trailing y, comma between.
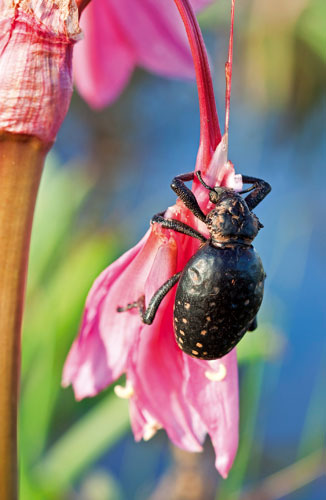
x: 280, y: 49
x: 59, y: 438
x: 311, y: 27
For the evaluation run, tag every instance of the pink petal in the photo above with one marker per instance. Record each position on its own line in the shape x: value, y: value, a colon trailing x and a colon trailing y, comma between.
x: 156, y: 34
x: 156, y: 370
x: 200, y: 4
x: 217, y: 166
x: 217, y: 404
x: 122, y: 33
x: 219, y: 173
x: 104, y: 59
x: 87, y: 366
x: 120, y: 331
x: 137, y: 419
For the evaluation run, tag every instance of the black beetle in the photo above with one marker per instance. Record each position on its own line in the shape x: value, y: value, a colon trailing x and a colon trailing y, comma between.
x: 221, y: 287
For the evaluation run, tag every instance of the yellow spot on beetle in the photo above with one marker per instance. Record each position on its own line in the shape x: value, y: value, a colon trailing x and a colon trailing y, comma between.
x: 184, y: 320
x: 199, y: 344
x: 203, y: 332
x: 187, y: 305
x: 181, y: 332
x: 195, y: 353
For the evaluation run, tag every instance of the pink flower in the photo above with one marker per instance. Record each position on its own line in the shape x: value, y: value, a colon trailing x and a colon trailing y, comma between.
x: 167, y: 388
x: 120, y: 34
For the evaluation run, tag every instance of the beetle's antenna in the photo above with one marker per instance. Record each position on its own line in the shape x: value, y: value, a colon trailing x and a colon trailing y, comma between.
x: 247, y: 190
x: 198, y: 174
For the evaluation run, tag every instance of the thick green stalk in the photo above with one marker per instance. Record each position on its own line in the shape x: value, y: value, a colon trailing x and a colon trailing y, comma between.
x: 21, y: 163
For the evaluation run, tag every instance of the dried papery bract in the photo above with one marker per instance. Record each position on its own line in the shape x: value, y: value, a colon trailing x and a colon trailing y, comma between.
x: 166, y: 388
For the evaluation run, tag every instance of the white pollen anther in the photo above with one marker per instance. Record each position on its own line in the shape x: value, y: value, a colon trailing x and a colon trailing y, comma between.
x: 124, y: 392
x: 217, y: 376
x: 150, y: 429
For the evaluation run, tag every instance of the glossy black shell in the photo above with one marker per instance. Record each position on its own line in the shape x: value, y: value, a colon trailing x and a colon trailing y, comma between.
x: 218, y: 296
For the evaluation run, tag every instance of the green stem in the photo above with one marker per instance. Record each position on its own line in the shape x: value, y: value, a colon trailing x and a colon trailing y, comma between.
x: 289, y: 479
x: 21, y: 164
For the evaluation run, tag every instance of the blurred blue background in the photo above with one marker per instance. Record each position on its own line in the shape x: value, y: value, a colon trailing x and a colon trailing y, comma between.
x: 110, y: 164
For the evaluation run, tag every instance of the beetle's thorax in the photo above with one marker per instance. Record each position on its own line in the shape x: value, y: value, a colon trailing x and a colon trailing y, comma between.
x: 231, y: 221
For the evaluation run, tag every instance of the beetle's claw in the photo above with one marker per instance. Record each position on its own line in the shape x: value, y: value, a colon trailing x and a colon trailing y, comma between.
x: 129, y: 306
x: 132, y: 305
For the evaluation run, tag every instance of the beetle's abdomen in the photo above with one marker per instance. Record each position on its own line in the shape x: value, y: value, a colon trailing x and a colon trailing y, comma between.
x: 218, y: 296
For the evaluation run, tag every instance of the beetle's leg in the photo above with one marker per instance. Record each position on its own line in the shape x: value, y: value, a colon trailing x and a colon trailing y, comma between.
x: 253, y: 325
x: 178, y: 226
x: 259, y: 191
x: 186, y: 195
x: 148, y: 315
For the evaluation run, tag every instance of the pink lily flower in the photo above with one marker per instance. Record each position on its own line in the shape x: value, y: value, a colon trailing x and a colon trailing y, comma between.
x: 120, y: 34
x: 188, y: 397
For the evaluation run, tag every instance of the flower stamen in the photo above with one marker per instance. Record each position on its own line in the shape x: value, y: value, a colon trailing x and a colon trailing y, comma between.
x: 124, y: 392
x: 150, y: 429
x: 218, y: 375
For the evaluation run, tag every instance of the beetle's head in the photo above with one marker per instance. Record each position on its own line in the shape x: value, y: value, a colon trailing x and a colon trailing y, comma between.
x: 216, y: 193
x: 231, y: 220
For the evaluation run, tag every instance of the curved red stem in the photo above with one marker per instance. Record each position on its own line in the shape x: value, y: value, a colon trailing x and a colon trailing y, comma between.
x: 228, y: 72
x: 210, y: 134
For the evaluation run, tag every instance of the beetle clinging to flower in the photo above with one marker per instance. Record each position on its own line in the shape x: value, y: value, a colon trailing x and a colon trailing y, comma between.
x: 218, y: 273
x: 221, y: 288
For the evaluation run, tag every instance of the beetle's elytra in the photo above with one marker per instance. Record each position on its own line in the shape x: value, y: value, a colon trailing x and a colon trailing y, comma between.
x: 218, y: 296
x: 220, y: 290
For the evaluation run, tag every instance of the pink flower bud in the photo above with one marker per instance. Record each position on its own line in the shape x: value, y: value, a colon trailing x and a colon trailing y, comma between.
x: 36, y: 43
